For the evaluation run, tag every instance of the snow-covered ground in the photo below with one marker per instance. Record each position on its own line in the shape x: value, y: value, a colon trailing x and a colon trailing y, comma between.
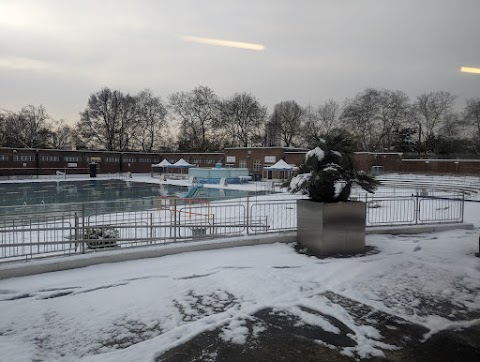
x: 135, y: 311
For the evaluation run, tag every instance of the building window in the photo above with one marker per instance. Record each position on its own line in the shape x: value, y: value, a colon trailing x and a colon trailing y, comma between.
x: 49, y: 158
x: 144, y: 160
x: 71, y: 158
x: 257, y: 165
x: 209, y: 161
x: 242, y: 163
x: 130, y: 159
x: 3, y: 158
x: 112, y: 159
x: 23, y: 158
x: 270, y: 159
x: 93, y: 159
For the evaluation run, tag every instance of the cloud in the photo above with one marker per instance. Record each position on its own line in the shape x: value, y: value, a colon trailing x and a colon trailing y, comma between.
x: 20, y: 63
x: 223, y: 43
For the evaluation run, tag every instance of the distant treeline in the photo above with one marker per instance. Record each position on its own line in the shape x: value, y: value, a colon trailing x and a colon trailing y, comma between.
x: 198, y: 121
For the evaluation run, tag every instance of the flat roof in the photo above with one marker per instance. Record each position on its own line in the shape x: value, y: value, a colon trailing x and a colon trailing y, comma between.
x: 270, y: 147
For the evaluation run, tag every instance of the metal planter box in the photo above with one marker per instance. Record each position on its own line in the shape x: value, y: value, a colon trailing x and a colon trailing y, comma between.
x: 331, y: 228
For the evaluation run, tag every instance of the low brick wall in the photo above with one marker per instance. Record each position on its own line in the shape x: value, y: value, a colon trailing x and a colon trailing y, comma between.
x: 442, y: 167
x: 393, y: 162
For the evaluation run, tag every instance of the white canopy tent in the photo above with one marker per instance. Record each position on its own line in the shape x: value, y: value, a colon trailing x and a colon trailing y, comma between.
x: 182, y: 164
x: 163, y: 165
x: 283, y: 169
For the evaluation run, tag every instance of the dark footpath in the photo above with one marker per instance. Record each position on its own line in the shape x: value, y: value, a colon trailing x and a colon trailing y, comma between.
x: 279, y: 336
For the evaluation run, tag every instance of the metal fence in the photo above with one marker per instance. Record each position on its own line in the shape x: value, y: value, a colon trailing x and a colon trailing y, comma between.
x: 28, y: 231
x: 415, y: 210
x: 65, y: 229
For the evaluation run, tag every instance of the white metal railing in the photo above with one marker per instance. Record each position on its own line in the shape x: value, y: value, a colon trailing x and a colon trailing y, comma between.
x: 27, y: 232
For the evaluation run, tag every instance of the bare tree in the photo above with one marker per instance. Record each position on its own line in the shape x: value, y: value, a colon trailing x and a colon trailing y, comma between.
x: 127, y: 125
x: 60, y: 134
x: 150, y: 120
x: 243, y: 118
x: 375, y: 117
x: 472, y: 113
x: 4, y: 128
x: 320, y: 121
x: 312, y: 130
x: 108, y: 119
x: 197, y: 112
x: 28, y: 127
x: 329, y: 113
x: 432, y: 108
x: 78, y: 140
x: 360, y: 115
x: 288, y: 117
x: 392, y: 115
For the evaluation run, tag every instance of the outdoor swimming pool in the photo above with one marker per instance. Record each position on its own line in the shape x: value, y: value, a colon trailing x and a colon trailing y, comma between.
x: 67, y: 192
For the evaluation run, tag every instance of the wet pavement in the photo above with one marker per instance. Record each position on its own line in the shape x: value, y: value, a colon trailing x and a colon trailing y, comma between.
x: 277, y: 335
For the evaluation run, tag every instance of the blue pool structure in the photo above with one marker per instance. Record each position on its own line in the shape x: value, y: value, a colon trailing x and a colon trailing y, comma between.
x: 219, y: 175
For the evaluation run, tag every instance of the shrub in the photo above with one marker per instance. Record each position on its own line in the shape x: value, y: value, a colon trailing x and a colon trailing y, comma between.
x: 328, y: 176
x: 101, y: 237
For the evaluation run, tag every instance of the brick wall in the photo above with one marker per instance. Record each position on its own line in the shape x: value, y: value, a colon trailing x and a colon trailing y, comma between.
x: 47, y: 162
x: 442, y: 167
x: 363, y: 161
x: 393, y: 162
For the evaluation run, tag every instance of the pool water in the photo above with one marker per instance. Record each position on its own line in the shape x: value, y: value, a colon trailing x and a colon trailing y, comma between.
x: 67, y: 192
x: 35, y: 193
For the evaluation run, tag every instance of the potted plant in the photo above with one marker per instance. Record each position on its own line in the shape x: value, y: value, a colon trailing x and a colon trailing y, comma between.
x: 328, y: 222
x: 101, y: 237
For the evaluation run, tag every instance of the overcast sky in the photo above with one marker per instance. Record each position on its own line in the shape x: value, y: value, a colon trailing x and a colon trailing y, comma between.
x: 57, y: 52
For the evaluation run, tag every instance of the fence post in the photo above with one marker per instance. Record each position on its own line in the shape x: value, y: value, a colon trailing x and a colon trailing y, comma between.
x: 463, y: 207
x: 82, y: 229
x: 76, y: 231
x: 151, y: 228
x: 417, y: 208
x: 175, y: 220
x: 214, y: 229
x: 247, y: 216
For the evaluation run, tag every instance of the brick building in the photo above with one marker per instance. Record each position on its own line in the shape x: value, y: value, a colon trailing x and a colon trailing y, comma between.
x: 23, y: 161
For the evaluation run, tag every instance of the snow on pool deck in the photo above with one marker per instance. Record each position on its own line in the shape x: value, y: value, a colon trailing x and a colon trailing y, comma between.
x: 137, y: 310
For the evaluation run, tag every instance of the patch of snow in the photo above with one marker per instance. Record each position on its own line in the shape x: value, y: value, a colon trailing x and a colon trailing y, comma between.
x: 314, y: 320
x: 15, y: 348
x: 235, y: 332
x: 339, y: 186
x: 442, y: 326
x: 297, y: 181
x: 316, y: 152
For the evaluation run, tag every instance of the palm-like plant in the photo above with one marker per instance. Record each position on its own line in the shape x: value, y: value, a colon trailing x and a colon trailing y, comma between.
x: 328, y: 176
